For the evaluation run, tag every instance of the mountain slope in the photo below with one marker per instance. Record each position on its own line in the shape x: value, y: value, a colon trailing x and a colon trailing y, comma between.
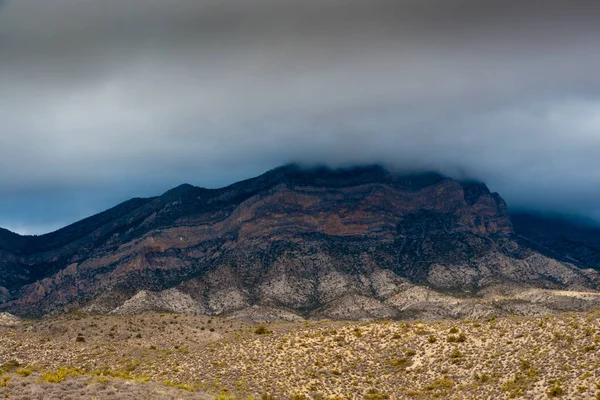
x: 564, y: 238
x: 352, y: 243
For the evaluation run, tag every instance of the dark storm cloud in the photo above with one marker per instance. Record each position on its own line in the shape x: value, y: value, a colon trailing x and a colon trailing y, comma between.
x: 104, y: 100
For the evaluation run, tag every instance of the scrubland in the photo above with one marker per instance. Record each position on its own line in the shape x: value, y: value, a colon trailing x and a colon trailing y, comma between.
x: 170, y: 356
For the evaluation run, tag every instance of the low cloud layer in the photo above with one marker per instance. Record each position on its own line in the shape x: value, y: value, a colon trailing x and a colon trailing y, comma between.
x: 105, y: 100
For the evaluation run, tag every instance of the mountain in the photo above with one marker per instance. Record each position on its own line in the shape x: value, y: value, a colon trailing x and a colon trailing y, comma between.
x: 562, y: 237
x: 298, y: 242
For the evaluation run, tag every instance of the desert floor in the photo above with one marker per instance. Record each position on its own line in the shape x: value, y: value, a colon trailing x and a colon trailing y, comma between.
x: 169, y: 356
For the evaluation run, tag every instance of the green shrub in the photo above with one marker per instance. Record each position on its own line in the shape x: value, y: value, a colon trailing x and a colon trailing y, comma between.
x: 180, y: 386
x: 224, y: 397
x: 23, y: 372
x: 101, y: 379
x: 60, y: 374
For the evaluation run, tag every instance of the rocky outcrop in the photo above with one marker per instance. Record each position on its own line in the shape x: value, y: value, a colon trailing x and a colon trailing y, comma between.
x: 171, y: 300
x: 293, y: 242
x: 9, y: 320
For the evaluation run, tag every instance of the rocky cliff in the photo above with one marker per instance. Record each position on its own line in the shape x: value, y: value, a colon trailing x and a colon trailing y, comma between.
x: 292, y: 243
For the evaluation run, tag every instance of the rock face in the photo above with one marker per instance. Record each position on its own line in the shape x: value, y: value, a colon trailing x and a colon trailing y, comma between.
x: 355, y: 243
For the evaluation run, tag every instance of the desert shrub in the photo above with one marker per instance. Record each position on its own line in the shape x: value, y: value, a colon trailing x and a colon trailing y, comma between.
x: 461, y: 338
x: 442, y: 383
x: 181, y: 386
x: 262, y: 330
x: 60, y: 374
x: 432, y: 339
x: 9, y: 366
x: 521, y: 381
x: 131, y: 366
x: 122, y: 374
x: 101, y: 379
x: 4, y: 380
x: 561, y: 336
x: 23, y: 372
x: 574, y: 324
x: 421, y: 331
x: 224, y: 397
x: 376, y: 395
x: 141, y: 378
x: 456, y: 354
x: 453, y: 330
x: 514, y: 387
x: 556, y: 391
x: 525, y: 365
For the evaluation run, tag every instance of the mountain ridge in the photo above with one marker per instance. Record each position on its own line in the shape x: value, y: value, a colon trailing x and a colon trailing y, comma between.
x: 271, y: 175
x: 304, y: 241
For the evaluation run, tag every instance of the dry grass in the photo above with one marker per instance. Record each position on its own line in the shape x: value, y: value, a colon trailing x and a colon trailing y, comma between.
x: 548, y: 357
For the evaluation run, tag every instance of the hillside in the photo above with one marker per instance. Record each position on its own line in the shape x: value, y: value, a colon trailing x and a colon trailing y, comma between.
x: 567, y: 239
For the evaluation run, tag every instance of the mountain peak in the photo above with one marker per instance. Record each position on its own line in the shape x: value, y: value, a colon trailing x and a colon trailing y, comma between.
x: 326, y: 176
x: 181, y: 190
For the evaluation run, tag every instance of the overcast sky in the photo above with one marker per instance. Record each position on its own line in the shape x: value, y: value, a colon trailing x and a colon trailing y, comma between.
x: 101, y: 101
